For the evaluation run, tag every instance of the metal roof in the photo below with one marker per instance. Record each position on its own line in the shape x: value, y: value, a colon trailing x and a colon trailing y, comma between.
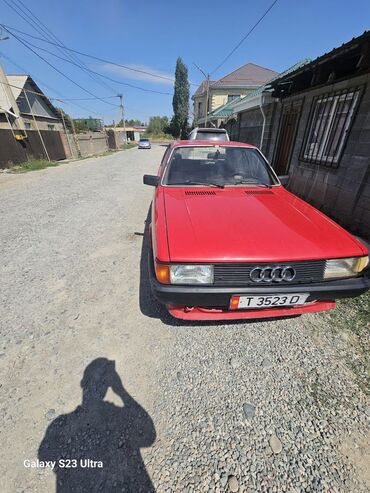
x: 19, y: 82
x: 248, y: 75
x: 330, y: 54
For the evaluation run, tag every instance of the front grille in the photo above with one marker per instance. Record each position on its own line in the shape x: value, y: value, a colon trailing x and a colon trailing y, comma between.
x: 239, y: 274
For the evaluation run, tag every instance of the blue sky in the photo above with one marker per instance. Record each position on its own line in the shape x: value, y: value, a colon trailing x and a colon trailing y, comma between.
x: 152, y: 35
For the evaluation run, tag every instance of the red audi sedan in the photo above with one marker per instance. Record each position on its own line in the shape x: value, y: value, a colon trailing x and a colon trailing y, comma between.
x: 228, y: 241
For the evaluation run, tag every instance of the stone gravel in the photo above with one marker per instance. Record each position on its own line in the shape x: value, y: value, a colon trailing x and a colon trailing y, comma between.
x: 306, y: 410
x: 267, y: 406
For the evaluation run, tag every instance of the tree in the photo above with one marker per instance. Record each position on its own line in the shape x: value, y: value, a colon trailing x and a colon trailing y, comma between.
x: 87, y: 124
x: 131, y: 123
x: 180, y: 101
x: 158, y: 125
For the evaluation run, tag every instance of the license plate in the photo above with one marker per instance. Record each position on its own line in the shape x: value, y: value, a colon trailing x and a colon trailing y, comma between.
x: 266, y: 301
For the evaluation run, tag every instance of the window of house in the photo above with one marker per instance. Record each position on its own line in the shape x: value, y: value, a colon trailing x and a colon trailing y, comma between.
x: 329, y: 125
x: 231, y: 97
x: 51, y: 127
x: 200, y: 109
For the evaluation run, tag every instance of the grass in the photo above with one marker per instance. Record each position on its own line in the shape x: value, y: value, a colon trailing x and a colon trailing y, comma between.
x: 129, y: 145
x: 158, y: 136
x: 33, y: 165
x: 37, y: 164
x: 350, y: 321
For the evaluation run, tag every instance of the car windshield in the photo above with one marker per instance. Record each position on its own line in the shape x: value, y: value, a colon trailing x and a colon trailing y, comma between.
x: 144, y: 140
x: 217, y: 166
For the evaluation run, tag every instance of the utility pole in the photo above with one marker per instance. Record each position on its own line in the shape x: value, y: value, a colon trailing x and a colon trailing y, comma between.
x: 10, y: 97
x: 37, y: 127
x: 123, y: 115
x: 207, y: 92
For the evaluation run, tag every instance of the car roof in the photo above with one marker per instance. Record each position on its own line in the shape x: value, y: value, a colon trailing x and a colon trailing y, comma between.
x: 212, y: 130
x: 211, y: 143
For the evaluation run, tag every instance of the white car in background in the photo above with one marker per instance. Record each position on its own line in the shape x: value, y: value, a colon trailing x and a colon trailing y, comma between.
x: 209, y: 134
x: 144, y: 144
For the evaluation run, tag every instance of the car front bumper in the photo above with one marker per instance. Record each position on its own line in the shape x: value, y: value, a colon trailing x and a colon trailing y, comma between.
x: 213, y: 302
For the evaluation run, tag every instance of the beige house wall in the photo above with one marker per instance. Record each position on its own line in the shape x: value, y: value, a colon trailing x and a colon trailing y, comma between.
x: 197, y: 100
x: 217, y: 98
x: 30, y: 124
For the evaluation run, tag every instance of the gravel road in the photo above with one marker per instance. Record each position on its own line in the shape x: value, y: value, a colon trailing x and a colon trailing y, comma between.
x: 267, y: 406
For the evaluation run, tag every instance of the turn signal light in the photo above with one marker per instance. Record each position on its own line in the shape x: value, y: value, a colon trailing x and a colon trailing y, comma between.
x: 162, y: 272
x: 362, y: 263
x: 234, y: 302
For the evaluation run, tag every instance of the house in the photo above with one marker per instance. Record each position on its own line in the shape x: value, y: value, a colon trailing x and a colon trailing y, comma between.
x: 23, y: 106
x: 30, y: 126
x: 130, y: 133
x: 249, y: 118
x: 240, y: 82
x: 313, y: 124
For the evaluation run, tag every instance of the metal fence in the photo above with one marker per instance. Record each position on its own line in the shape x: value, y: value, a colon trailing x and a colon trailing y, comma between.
x: 14, y: 152
x: 330, y: 120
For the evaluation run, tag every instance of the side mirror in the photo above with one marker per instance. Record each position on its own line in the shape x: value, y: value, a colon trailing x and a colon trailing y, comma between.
x: 151, y: 180
x: 284, y: 179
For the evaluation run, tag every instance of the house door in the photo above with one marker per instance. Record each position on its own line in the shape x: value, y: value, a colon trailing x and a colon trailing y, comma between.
x: 287, y: 132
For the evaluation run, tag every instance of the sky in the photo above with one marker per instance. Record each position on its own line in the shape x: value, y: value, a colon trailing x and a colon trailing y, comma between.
x: 150, y: 35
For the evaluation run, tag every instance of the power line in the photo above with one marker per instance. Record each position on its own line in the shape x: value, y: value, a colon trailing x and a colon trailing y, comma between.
x: 245, y: 37
x: 97, y: 73
x: 57, y: 99
x: 52, y: 66
x: 95, y: 57
x: 42, y: 29
x: 69, y: 55
x: 61, y: 99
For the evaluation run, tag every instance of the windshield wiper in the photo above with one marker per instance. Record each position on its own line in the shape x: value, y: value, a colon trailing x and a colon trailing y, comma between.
x: 205, y: 184
x: 254, y: 183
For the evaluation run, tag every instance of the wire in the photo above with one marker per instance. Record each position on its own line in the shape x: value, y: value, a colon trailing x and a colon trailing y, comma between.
x: 95, y: 57
x: 97, y: 73
x: 57, y: 99
x: 69, y: 55
x: 245, y: 37
x: 61, y: 99
x: 38, y: 24
x: 55, y: 68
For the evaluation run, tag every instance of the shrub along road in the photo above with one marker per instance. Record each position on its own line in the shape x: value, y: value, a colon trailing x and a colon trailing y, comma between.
x: 260, y: 406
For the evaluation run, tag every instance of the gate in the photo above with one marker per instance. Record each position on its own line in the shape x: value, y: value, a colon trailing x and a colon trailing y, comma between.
x: 287, y: 131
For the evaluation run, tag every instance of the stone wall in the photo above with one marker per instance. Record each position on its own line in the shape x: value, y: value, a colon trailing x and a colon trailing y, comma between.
x: 91, y: 143
x: 343, y: 193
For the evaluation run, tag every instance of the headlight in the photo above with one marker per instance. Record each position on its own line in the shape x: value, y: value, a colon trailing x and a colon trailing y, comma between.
x: 191, y: 274
x: 345, y: 267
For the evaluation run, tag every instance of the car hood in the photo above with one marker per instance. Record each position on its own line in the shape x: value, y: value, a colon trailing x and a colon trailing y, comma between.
x: 250, y: 224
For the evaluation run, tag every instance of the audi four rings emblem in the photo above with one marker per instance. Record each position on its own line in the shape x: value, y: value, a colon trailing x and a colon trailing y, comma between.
x: 272, y: 274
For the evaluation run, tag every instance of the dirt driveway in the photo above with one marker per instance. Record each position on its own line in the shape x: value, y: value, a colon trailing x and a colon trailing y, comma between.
x: 92, y: 367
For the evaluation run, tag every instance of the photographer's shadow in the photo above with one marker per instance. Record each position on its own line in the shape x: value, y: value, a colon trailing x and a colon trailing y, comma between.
x: 102, y: 432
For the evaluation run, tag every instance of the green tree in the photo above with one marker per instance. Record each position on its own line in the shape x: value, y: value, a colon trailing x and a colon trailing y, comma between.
x: 131, y: 123
x: 180, y: 101
x: 87, y: 124
x: 158, y: 125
